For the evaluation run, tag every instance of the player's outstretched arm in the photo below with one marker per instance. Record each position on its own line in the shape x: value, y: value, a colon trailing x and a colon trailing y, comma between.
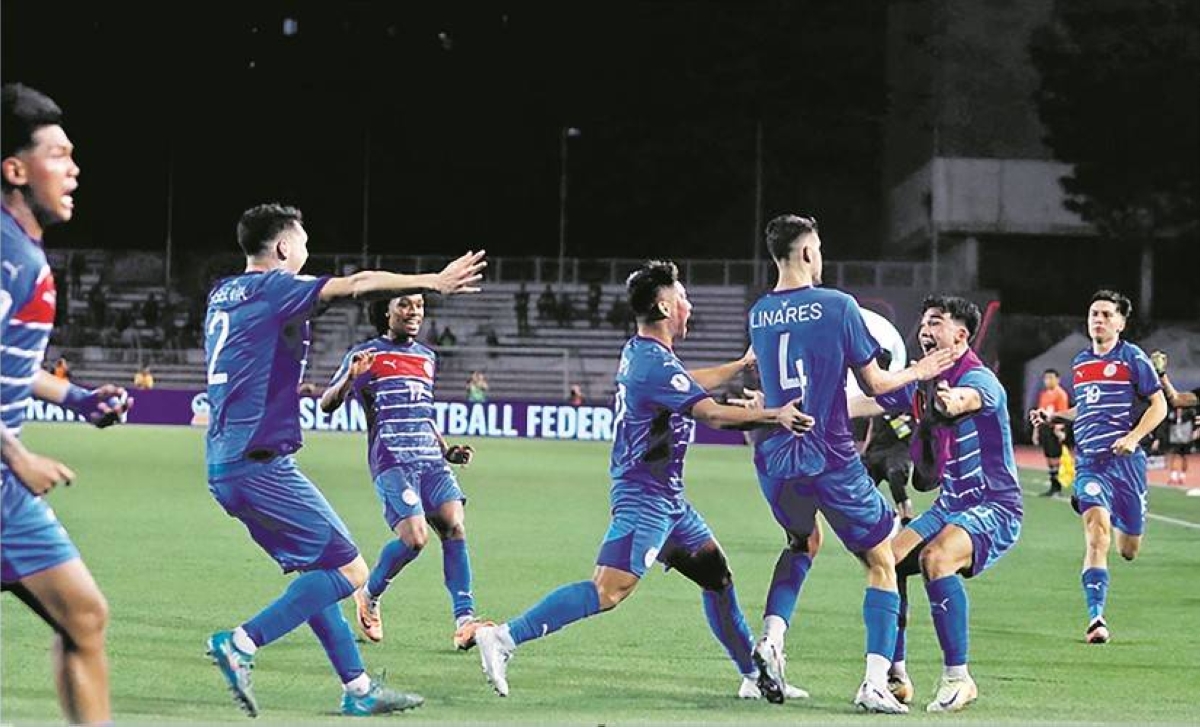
x: 1151, y: 418
x: 1176, y: 398
x: 337, y: 392
x: 460, y: 276
x: 1038, y: 417
x: 722, y: 416
x: 39, y: 474
x: 956, y: 401
x: 863, y: 407
x: 102, y: 406
x: 875, y: 380
x: 714, y: 377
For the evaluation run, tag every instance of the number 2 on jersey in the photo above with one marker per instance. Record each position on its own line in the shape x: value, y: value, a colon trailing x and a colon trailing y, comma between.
x: 220, y: 319
x: 799, y: 381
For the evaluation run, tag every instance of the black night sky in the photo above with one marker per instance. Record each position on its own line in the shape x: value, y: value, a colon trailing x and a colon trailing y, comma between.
x: 464, y: 104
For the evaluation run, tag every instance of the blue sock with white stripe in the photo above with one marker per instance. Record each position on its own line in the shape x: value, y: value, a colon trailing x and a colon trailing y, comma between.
x: 1095, y: 590
x: 456, y: 569
x: 565, y: 605
x: 950, y: 610
x: 728, y: 624
x: 392, y: 559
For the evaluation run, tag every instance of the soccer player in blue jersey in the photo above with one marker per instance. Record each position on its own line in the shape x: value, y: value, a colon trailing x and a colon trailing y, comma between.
x: 38, y: 561
x: 256, y: 345
x: 657, y: 404
x: 962, y: 444
x: 392, y: 377
x: 1110, y: 468
x: 806, y: 339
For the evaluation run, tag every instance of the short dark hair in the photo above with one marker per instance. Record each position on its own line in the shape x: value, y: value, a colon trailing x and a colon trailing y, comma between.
x: 785, y: 230
x: 25, y: 111
x: 644, y: 283
x: 260, y: 225
x: 959, y: 309
x: 1052, y: 371
x: 1123, y: 304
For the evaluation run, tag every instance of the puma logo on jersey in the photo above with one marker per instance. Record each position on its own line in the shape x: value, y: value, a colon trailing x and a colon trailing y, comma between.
x: 12, y: 269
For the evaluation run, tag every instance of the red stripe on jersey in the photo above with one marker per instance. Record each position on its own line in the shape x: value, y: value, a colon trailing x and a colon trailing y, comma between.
x: 1092, y: 371
x: 402, y: 364
x: 40, y: 306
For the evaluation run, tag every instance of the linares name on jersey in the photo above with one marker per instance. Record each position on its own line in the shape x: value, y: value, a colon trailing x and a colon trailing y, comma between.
x: 786, y: 315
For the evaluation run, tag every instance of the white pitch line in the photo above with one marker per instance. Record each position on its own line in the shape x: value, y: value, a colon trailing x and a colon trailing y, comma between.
x: 1151, y: 515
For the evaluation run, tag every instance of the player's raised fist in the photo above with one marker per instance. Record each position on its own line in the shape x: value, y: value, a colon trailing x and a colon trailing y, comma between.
x: 461, y: 275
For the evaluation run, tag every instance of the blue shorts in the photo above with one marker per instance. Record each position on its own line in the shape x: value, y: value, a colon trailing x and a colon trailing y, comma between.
x: 31, y: 538
x: 646, y: 525
x: 286, y: 514
x: 847, y: 497
x: 993, y: 529
x: 1117, y: 484
x: 413, y: 490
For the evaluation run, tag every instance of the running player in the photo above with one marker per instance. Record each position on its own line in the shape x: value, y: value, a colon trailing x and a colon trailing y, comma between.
x: 1110, y: 469
x: 1050, y: 438
x: 805, y: 339
x: 39, y: 563
x: 392, y: 377
x: 256, y: 344
x: 657, y: 403
x: 962, y: 444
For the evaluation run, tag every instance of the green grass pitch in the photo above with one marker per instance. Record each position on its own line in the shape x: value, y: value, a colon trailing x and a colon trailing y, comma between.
x: 175, y: 568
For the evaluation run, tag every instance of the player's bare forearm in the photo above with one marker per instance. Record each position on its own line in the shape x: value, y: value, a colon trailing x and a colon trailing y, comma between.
x: 1152, y: 417
x: 1176, y: 398
x: 862, y: 407
x: 335, y: 395
x: 876, y: 381
x: 723, y: 416
x: 958, y: 401
x: 715, y: 377
x: 367, y: 284
x: 1063, y: 417
x: 11, y: 448
x: 50, y: 388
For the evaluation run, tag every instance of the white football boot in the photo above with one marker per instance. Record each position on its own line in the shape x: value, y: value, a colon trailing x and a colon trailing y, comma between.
x: 872, y: 698
x: 953, y: 694
x: 494, y: 656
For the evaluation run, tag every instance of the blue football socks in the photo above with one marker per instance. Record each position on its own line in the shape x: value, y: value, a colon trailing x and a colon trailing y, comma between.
x: 335, y: 635
x: 950, y: 610
x: 306, y: 596
x: 728, y: 624
x: 881, y: 611
x: 1095, y: 590
x: 566, y: 605
x: 456, y: 569
x: 790, y: 571
x: 392, y: 559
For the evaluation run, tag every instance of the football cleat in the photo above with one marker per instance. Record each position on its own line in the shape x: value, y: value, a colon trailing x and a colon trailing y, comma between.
x: 235, y: 666
x: 871, y: 698
x: 768, y: 657
x: 379, y: 699
x: 1097, y: 632
x: 953, y: 694
x: 370, y: 623
x: 494, y: 656
x: 464, y: 635
x: 749, y: 690
x: 901, y: 688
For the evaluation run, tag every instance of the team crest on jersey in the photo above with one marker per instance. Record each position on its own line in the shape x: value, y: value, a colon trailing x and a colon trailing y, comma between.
x: 681, y: 382
x: 410, y: 497
x: 1110, y: 369
x: 1092, y: 489
x: 651, y: 554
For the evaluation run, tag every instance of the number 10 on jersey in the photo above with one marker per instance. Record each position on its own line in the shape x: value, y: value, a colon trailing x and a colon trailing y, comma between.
x: 786, y: 380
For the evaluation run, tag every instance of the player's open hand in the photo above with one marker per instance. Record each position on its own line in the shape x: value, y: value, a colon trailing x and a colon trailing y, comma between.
x: 750, y: 399
x: 1038, y: 417
x: 112, y: 403
x: 360, y: 363
x: 40, y: 474
x: 748, y: 360
x: 1158, y: 359
x: 1125, y: 446
x: 461, y: 275
x: 793, y: 419
x: 934, y: 363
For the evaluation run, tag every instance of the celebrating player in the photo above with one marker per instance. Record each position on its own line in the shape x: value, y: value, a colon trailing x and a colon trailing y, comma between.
x: 39, y: 562
x: 963, y: 444
x: 657, y: 403
x: 392, y: 376
x: 1110, y: 469
x: 806, y: 339
x: 257, y: 335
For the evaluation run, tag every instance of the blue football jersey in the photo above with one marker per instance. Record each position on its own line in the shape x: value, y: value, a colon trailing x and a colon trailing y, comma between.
x: 980, y: 466
x: 1106, y: 388
x: 256, y: 339
x: 27, y: 306
x: 806, y: 339
x: 397, y: 396
x: 653, y: 424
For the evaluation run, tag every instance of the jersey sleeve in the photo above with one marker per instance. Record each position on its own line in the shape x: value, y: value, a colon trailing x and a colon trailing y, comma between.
x: 987, y: 386
x: 860, y: 346
x: 344, y: 367
x: 1145, y: 380
x: 672, y: 387
x: 295, y: 295
x: 898, y: 401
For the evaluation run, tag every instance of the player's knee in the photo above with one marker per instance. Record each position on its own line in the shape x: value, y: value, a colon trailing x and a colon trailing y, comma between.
x: 808, y: 543
x: 356, y: 572
x: 611, y: 594
x: 711, y: 570
x: 451, y: 531
x: 416, y: 537
x: 1129, y: 547
x: 936, y: 562
x: 84, y: 626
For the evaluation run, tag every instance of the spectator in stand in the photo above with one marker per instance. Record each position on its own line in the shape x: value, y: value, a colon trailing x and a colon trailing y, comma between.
x: 620, y: 315
x: 62, y: 370
x: 143, y: 379
x: 566, y: 310
x: 76, y: 266
x: 447, y: 337
x: 150, y: 311
x: 477, y: 388
x: 547, y: 304
x: 593, y: 303
x: 1181, y: 427
x: 98, y: 306
x: 1050, y: 437
x: 575, y: 395
x: 521, y: 305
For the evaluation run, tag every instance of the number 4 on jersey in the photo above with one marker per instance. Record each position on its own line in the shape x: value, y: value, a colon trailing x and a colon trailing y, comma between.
x: 799, y: 381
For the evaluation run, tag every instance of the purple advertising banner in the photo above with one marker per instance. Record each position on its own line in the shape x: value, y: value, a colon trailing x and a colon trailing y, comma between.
x: 515, y: 419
